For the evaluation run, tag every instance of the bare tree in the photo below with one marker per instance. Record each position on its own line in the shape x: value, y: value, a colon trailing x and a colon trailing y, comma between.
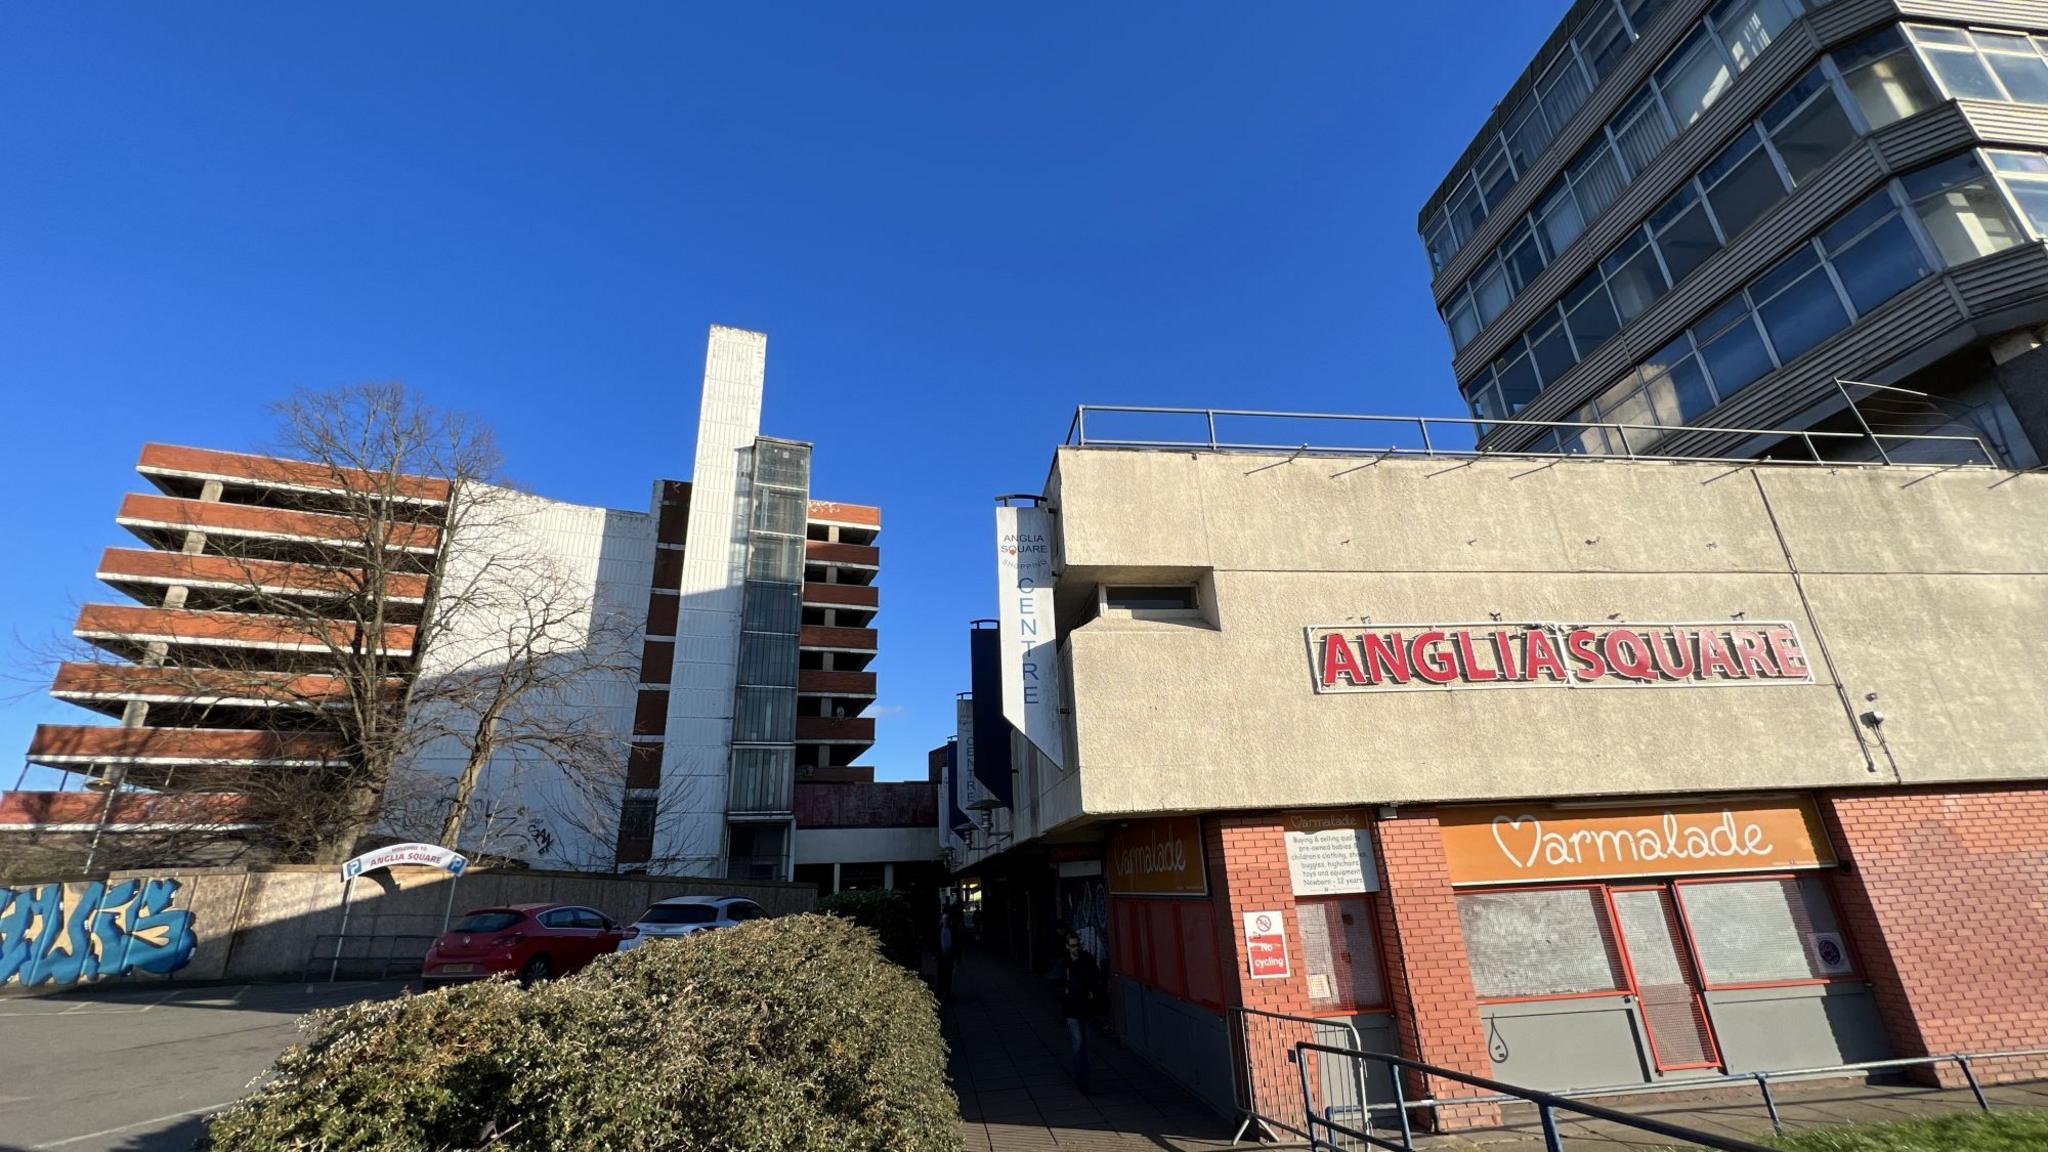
x: 402, y: 609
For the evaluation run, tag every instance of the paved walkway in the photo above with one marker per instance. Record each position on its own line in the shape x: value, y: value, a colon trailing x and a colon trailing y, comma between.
x: 1009, y: 1065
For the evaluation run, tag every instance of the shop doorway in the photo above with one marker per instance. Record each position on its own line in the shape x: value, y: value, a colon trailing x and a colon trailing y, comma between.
x: 1661, y: 974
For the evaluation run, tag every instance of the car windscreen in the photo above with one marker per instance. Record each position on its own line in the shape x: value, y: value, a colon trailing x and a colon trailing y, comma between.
x: 490, y: 921
x: 679, y: 914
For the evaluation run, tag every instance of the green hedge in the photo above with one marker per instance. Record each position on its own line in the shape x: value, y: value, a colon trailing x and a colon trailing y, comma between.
x: 791, y: 1035
x: 886, y: 913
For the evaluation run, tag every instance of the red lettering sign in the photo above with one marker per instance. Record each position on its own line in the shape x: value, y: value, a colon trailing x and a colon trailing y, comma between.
x: 1429, y: 657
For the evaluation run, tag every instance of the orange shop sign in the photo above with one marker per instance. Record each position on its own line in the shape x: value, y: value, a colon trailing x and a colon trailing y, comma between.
x: 1157, y: 858
x: 1525, y: 844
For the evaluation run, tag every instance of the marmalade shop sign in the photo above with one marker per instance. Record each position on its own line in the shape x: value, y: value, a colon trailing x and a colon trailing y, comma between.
x: 1397, y: 657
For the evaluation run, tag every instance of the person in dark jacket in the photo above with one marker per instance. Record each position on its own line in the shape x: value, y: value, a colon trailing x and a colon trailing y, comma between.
x: 1080, y: 1000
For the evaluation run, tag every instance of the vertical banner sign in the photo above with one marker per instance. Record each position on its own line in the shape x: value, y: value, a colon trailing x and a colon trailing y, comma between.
x: 991, y: 761
x: 963, y: 756
x: 1265, y: 945
x: 1031, y: 686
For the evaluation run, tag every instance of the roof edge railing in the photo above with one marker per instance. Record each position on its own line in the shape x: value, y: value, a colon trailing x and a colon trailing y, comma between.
x: 1630, y: 441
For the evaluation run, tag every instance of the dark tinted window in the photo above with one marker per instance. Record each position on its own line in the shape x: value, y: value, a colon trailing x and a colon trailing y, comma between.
x: 679, y: 914
x: 1150, y: 598
x: 489, y: 921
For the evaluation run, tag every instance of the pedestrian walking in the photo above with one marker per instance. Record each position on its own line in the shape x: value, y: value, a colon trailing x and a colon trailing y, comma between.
x: 1080, y: 1002
x: 949, y: 954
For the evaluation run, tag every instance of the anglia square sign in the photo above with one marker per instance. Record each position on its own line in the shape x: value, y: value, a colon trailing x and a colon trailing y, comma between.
x: 1421, y: 657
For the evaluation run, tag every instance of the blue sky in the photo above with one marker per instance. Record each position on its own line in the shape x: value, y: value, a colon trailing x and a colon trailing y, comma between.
x: 954, y: 221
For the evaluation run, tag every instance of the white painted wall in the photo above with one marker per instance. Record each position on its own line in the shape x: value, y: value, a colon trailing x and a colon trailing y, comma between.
x: 599, y: 559
x: 690, y: 828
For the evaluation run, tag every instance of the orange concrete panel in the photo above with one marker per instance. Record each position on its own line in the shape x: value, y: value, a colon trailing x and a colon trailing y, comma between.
x: 277, y: 472
x: 175, y: 513
x: 849, y: 595
x: 815, y: 682
x: 819, y: 636
x: 85, y: 744
x: 825, y: 552
x: 149, y: 566
x: 225, y: 629
x: 865, y: 515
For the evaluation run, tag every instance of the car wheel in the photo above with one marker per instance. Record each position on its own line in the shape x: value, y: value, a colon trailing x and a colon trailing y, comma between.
x: 537, y: 969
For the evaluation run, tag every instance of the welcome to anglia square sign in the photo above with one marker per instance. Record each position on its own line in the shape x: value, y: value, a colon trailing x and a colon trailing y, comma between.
x: 1420, y: 657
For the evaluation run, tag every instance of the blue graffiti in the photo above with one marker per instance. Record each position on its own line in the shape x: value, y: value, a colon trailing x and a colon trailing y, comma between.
x: 76, y: 934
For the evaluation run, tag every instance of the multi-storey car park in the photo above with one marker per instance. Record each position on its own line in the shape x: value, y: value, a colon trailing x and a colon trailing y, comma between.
x: 1758, y: 214
x: 741, y: 697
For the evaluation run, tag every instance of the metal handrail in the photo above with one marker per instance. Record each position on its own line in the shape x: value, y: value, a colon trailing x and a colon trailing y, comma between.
x: 1762, y: 1080
x: 336, y: 954
x: 1077, y: 436
x: 1547, y: 1106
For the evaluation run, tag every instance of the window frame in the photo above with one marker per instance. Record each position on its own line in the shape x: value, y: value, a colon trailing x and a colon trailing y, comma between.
x: 1616, y: 958
x: 1970, y: 33
x: 1379, y: 944
x: 1619, y: 955
x: 1828, y: 893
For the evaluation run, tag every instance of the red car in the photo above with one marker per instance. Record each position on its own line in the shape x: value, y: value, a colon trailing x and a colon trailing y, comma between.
x: 531, y: 941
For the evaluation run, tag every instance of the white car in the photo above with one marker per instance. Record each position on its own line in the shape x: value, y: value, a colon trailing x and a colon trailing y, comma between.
x: 686, y: 915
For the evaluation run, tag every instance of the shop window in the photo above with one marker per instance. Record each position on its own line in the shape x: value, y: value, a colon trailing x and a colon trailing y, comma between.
x: 1340, y: 955
x: 1764, y: 931
x: 1539, y: 942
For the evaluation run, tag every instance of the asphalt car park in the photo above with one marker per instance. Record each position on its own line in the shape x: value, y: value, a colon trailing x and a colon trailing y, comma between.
x: 138, y: 1068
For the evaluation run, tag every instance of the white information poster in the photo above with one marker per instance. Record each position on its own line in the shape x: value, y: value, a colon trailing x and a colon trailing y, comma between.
x: 1331, y: 854
x: 1031, y: 677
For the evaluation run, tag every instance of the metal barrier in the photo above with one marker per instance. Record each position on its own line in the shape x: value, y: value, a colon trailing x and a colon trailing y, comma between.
x: 1262, y: 1047
x: 1966, y: 1062
x: 1440, y: 436
x: 1326, y: 1131
x: 334, y: 957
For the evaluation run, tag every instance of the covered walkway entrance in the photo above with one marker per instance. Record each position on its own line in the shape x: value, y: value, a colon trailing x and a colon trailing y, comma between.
x: 1009, y: 1066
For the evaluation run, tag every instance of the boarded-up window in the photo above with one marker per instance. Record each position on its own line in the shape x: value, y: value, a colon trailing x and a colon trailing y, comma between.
x: 1340, y: 954
x: 1764, y: 931
x: 1539, y: 942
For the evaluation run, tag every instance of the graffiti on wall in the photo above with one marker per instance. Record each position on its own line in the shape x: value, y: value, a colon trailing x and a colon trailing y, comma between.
x: 78, y: 933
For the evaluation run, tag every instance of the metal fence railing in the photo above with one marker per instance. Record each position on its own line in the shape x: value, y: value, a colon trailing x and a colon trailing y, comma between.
x: 335, y: 957
x: 1262, y: 1050
x: 1326, y: 1130
x: 1967, y: 1063
x: 1355, y: 434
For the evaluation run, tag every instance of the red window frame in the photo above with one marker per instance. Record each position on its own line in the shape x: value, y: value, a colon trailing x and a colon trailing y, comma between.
x: 1379, y: 945
x: 1827, y: 892
x: 1617, y: 962
x: 1688, y: 956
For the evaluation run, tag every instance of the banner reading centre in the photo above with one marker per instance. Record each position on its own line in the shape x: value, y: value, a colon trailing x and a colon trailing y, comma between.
x: 1024, y: 576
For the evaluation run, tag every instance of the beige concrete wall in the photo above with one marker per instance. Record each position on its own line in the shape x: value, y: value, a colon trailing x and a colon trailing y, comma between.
x: 1929, y: 588
x: 262, y: 924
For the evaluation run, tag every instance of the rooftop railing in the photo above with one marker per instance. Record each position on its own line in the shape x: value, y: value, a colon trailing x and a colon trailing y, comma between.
x: 1352, y: 434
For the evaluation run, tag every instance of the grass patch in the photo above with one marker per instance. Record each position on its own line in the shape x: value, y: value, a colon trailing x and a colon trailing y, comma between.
x: 2016, y: 1130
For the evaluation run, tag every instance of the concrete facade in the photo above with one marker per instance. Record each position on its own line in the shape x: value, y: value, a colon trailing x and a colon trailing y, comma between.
x: 1895, y: 571
x: 1916, y: 594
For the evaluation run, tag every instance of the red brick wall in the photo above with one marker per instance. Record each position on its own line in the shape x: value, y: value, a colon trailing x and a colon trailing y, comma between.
x: 1436, y: 1010
x: 1946, y: 900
